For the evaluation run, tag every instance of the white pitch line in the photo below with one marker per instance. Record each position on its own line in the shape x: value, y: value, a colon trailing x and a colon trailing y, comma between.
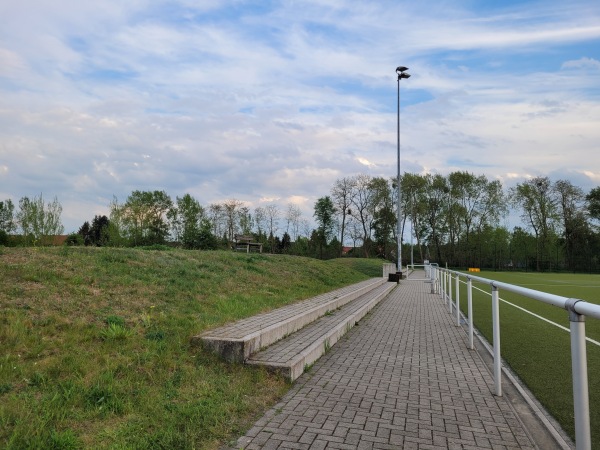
x: 539, y: 317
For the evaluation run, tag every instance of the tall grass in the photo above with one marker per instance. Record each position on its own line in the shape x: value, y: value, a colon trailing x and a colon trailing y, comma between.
x: 538, y: 352
x: 95, y: 343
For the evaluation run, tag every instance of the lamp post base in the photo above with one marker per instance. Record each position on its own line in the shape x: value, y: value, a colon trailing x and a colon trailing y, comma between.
x: 395, y: 277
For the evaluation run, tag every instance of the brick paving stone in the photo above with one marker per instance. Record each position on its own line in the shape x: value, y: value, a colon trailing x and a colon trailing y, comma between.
x: 307, y: 437
x: 294, y: 445
x: 403, y: 378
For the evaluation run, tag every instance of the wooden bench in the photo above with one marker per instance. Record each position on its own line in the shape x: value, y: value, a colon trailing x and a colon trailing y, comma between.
x: 244, y: 242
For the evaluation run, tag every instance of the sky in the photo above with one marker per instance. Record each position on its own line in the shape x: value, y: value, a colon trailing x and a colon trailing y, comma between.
x: 273, y: 101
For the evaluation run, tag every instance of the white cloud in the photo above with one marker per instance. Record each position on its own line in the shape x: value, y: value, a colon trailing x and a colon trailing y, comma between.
x: 582, y: 63
x: 276, y: 105
x: 365, y: 162
x: 268, y: 199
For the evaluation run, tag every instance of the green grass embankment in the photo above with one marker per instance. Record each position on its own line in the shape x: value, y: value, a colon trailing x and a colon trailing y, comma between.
x: 95, y: 346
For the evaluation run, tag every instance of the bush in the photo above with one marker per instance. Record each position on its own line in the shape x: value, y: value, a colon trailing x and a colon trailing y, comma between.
x: 206, y: 240
x: 74, y: 239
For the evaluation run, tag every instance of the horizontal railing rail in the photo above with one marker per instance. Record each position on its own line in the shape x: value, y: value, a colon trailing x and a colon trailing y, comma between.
x: 577, y: 309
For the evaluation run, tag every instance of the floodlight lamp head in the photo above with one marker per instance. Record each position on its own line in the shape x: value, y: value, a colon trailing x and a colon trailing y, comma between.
x: 401, y: 69
x: 403, y: 75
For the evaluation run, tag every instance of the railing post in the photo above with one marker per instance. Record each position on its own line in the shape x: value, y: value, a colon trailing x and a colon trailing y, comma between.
x: 457, y: 294
x: 432, y: 278
x: 496, y: 336
x: 470, y: 310
x: 580, y: 378
x: 450, y: 292
x: 443, y: 285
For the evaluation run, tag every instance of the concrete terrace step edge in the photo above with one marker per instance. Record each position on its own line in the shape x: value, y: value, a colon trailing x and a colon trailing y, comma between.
x: 238, y: 350
x: 296, y: 367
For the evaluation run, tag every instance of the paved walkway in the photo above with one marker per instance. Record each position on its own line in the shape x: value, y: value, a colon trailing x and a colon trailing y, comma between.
x: 403, y: 378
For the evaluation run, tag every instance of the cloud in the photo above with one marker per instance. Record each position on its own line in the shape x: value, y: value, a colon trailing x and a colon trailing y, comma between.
x: 365, y: 162
x: 582, y: 63
x: 278, y: 100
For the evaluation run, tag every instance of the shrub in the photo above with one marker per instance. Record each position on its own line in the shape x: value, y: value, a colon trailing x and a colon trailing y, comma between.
x: 74, y: 239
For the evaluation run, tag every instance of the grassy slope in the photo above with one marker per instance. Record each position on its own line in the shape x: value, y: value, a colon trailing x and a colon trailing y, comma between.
x: 95, y: 343
x: 538, y: 352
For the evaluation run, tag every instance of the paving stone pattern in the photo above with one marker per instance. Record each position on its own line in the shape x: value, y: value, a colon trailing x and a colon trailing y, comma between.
x: 403, y: 378
x: 287, y: 349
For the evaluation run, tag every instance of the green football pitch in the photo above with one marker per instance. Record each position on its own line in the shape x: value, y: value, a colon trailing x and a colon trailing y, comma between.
x: 538, y: 350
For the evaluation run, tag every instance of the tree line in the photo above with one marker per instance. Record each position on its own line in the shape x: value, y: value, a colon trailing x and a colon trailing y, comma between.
x: 459, y: 219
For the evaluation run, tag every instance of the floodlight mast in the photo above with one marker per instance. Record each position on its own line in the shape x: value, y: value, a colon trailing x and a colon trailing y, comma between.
x: 401, y: 71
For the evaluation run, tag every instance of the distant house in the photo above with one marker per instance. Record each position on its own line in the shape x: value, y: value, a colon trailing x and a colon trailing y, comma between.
x: 56, y: 240
x: 346, y: 250
x: 50, y: 241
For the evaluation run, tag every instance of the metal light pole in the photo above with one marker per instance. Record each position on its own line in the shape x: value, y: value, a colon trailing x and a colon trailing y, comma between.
x: 400, y: 70
x: 412, y: 218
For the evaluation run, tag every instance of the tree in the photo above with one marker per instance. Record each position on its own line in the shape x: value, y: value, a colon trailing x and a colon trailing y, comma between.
x: 593, y: 203
x: 342, y: 193
x: 143, y: 217
x: 435, y: 201
x: 205, y: 240
x: 272, y: 220
x: 285, y: 243
x: 570, y: 201
x: 260, y: 220
x: 186, y: 220
x: 99, y: 231
x: 354, y: 231
x: 362, y: 208
x: 384, y: 217
x: 217, y: 219
x: 115, y: 230
x: 246, y: 220
x: 39, y: 221
x: 84, y: 234
x: 522, y: 246
x: 292, y: 217
x: 414, y: 189
x: 7, y: 220
x: 538, y: 210
x: 305, y: 227
x: 475, y: 203
x: 324, y: 214
x: 231, y: 210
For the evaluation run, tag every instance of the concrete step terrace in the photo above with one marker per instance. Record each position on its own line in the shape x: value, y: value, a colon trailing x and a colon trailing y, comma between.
x: 237, y: 341
x: 291, y: 355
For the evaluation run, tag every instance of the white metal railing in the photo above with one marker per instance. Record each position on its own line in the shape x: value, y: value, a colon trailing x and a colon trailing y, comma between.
x: 427, y: 270
x: 578, y: 310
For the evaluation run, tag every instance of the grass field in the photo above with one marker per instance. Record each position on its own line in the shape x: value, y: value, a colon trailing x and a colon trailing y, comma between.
x: 95, y: 343
x: 540, y: 352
